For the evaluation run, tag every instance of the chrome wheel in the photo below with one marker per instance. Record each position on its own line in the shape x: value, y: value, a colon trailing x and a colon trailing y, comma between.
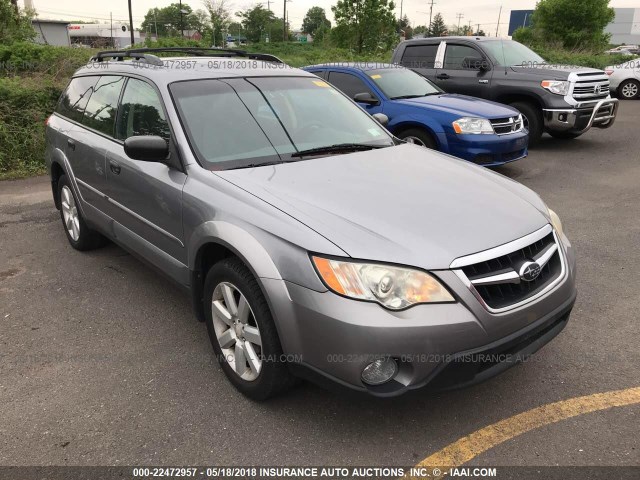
x: 630, y: 90
x: 414, y: 140
x: 237, y: 331
x: 70, y: 213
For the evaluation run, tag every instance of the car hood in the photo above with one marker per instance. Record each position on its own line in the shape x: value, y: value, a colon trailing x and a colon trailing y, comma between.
x: 404, y: 204
x: 460, y: 105
x: 555, y: 72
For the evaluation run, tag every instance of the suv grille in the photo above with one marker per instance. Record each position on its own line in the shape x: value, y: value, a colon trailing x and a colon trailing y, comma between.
x: 498, y: 280
x: 505, y: 126
x: 591, y: 86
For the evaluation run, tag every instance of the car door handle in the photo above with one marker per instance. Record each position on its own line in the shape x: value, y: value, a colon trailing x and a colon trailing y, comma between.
x: 443, y: 76
x: 71, y: 144
x: 114, y: 167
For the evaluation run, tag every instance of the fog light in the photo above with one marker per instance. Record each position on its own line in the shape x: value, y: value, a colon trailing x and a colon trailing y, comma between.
x: 379, y: 371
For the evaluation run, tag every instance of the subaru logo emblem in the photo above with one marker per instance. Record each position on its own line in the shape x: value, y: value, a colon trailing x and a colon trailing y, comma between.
x: 529, y: 271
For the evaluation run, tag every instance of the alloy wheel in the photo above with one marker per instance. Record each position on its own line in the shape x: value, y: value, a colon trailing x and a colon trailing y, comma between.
x: 70, y: 214
x: 630, y: 90
x: 414, y: 140
x: 237, y: 331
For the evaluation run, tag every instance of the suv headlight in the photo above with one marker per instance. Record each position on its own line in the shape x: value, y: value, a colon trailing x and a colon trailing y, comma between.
x: 555, y: 221
x: 392, y: 287
x: 472, y: 125
x: 555, y: 86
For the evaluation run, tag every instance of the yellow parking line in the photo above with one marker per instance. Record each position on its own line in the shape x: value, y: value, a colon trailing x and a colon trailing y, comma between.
x: 465, y: 449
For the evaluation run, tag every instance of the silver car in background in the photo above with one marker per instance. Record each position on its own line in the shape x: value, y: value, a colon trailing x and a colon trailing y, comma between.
x: 313, y: 243
x: 625, y: 79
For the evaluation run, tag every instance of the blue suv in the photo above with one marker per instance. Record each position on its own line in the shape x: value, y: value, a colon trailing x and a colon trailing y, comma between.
x: 483, y: 132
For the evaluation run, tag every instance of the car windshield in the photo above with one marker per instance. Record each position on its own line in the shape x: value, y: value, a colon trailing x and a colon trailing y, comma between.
x: 400, y: 82
x: 242, y: 122
x: 510, y: 54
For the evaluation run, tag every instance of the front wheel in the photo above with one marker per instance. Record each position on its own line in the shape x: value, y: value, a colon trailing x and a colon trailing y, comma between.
x: 629, y: 89
x: 418, y: 137
x: 243, y: 333
x: 564, y: 135
x: 532, y: 117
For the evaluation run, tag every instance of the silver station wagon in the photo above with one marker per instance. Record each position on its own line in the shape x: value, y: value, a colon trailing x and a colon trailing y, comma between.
x: 313, y: 243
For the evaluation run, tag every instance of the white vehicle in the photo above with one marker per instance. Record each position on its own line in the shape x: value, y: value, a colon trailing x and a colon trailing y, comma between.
x: 625, y: 79
x: 622, y: 49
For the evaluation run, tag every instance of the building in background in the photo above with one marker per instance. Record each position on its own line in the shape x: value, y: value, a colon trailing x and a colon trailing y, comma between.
x: 99, y: 35
x: 519, y: 18
x: 625, y: 27
x: 51, y: 32
x: 302, y: 37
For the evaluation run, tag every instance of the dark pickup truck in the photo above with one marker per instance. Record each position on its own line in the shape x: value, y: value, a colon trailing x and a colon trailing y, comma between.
x: 561, y: 100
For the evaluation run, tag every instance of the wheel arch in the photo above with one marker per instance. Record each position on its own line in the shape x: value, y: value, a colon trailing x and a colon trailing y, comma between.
x: 402, y: 126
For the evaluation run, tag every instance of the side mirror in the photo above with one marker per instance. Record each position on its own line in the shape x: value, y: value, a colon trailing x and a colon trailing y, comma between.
x: 367, y: 98
x: 148, y: 148
x: 381, y: 118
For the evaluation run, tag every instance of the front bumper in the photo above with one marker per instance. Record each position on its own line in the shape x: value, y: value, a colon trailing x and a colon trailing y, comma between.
x: 330, y: 339
x: 579, y: 120
x: 489, y: 150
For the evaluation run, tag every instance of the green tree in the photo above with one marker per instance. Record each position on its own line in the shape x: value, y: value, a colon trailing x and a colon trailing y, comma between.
x: 315, y: 18
x: 421, y: 30
x: 168, y: 20
x: 364, y: 24
x: 220, y: 18
x: 404, y: 25
x: 573, y: 24
x: 258, y: 22
x: 15, y: 24
x: 438, y: 27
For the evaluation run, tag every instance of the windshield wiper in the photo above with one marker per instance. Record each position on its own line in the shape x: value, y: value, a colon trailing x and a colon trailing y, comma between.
x: 404, y: 97
x: 340, y: 147
x: 263, y: 164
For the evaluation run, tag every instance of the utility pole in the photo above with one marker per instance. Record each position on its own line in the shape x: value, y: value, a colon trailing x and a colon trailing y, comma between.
x: 131, y: 25
x: 431, y: 13
x: 400, y: 11
x: 499, y: 15
x: 460, y: 16
x: 155, y: 21
x: 181, y: 22
x: 478, y: 29
x: 111, y: 19
x: 284, y: 21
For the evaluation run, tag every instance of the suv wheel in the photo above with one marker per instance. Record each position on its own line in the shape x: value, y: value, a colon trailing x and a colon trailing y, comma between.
x: 80, y: 236
x: 419, y: 137
x: 242, y: 331
x: 629, y: 89
x: 532, y: 119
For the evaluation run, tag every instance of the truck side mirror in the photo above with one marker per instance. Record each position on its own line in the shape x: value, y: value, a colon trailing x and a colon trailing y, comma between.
x: 366, y: 98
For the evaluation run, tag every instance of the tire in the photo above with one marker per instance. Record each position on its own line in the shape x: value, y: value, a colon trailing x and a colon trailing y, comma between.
x: 419, y: 137
x: 629, y: 90
x: 80, y: 236
x: 236, y: 345
x: 564, y: 135
x: 533, y: 120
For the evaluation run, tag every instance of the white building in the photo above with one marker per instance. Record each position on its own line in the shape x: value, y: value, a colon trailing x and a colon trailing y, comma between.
x: 625, y: 28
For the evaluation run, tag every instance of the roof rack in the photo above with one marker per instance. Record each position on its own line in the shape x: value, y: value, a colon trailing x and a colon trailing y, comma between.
x: 146, y: 54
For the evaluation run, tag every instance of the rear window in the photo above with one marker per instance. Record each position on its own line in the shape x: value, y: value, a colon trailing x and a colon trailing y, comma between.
x: 75, y: 98
x: 419, y: 56
x: 100, y: 112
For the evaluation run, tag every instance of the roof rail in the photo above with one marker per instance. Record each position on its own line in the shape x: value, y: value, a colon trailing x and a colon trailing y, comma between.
x: 147, y: 54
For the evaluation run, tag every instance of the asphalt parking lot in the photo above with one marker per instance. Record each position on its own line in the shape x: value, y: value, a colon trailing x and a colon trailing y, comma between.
x: 103, y: 363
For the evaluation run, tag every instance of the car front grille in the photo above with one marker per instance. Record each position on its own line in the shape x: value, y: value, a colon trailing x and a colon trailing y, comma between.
x: 591, y: 86
x: 505, y: 126
x: 499, y: 281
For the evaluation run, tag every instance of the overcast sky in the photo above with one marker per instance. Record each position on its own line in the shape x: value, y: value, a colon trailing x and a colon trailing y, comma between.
x: 483, y: 12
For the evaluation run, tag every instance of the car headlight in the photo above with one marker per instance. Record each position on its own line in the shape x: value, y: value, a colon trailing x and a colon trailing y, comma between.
x: 555, y: 221
x: 392, y: 287
x: 555, y: 86
x: 472, y: 125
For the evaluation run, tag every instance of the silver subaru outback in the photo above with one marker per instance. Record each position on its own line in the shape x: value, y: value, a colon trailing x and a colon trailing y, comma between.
x: 313, y: 243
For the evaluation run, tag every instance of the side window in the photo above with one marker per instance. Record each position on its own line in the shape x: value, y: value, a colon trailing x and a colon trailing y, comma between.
x: 75, y: 98
x: 462, y: 57
x: 419, y: 56
x: 100, y: 112
x: 140, y: 112
x: 319, y: 73
x: 349, y: 84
